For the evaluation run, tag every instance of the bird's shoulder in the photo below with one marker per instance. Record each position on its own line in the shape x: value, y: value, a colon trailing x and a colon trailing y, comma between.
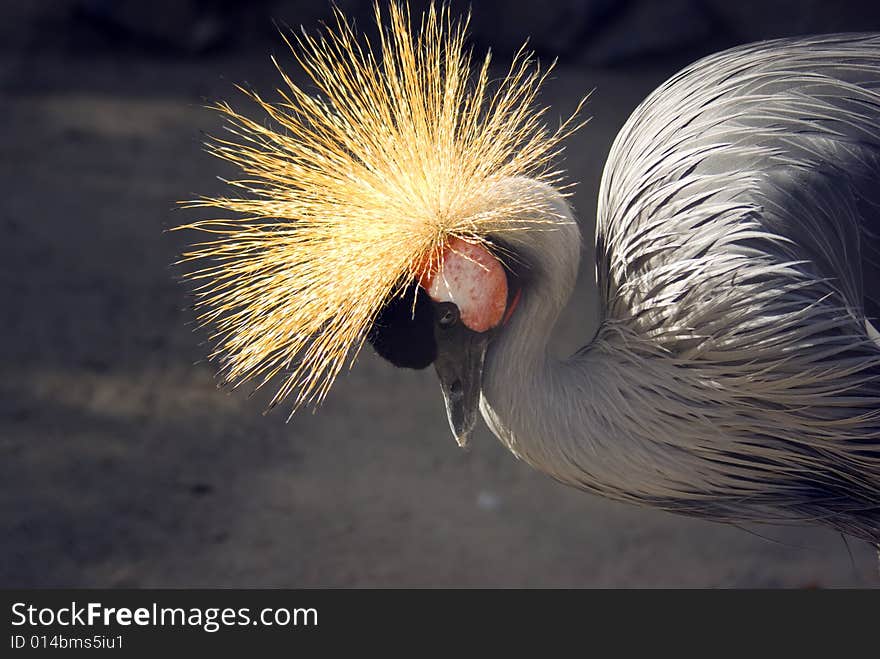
x: 742, y: 151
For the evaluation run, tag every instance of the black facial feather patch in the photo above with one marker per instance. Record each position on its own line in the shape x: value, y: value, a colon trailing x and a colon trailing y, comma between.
x: 401, y: 337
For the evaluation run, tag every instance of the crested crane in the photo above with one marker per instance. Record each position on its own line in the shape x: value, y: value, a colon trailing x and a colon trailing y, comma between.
x: 412, y: 202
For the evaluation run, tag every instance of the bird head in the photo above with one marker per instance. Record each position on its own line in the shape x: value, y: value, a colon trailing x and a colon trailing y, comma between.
x: 374, y: 204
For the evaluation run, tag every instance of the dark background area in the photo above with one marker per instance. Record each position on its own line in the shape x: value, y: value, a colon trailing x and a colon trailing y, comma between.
x: 122, y: 463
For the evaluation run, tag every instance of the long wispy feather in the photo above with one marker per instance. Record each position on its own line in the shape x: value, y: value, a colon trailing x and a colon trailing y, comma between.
x: 351, y: 188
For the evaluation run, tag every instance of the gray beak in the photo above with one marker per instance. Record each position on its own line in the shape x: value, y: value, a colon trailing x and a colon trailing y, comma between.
x: 459, y: 365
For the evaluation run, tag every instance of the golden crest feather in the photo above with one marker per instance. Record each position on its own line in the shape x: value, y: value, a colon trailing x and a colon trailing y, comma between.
x: 354, y: 187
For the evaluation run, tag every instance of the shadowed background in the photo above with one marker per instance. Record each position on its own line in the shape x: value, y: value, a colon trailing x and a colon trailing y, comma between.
x: 123, y: 464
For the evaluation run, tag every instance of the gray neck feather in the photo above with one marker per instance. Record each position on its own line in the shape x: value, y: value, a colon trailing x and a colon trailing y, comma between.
x: 524, y: 398
x: 566, y: 417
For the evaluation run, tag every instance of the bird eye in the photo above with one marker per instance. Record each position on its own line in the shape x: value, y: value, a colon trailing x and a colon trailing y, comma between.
x: 447, y: 315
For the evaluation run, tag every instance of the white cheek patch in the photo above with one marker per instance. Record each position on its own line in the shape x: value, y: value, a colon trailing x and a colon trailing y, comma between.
x: 472, y: 279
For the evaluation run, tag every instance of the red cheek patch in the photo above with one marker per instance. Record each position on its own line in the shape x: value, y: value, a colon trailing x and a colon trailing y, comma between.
x: 471, y: 278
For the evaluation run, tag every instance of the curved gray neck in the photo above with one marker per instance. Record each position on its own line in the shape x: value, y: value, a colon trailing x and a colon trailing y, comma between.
x: 524, y: 385
x: 582, y: 420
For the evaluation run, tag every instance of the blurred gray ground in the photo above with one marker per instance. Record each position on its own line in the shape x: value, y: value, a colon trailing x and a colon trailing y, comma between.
x: 121, y: 462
